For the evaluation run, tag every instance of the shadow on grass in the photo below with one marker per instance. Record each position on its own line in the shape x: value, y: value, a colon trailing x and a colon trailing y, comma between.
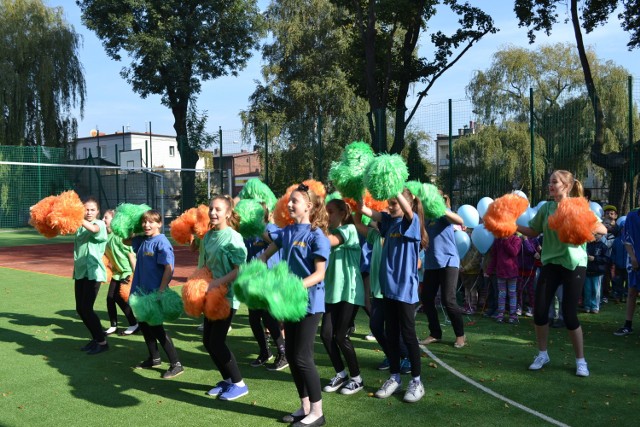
x: 105, y: 379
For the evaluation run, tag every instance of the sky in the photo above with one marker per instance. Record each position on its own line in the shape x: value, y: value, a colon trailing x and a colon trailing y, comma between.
x: 112, y: 104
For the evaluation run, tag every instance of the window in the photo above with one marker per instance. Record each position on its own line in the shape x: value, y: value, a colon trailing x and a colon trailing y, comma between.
x: 172, y: 151
x: 131, y: 164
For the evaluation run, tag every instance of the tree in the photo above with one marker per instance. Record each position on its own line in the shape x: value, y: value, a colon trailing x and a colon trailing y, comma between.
x: 305, y: 96
x: 385, y: 63
x: 173, y: 46
x: 554, y: 72
x: 542, y: 17
x: 41, y: 78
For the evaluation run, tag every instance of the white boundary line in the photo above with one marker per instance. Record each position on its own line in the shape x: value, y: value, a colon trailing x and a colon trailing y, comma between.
x: 489, y: 391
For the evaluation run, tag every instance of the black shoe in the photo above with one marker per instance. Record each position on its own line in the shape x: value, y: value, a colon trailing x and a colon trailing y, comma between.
x: 173, y: 371
x: 290, y: 418
x: 279, y: 364
x: 335, y: 383
x: 99, y: 348
x: 89, y: 346
x: 149, y: 363
x: 261, y: 360
x: 317, y: 423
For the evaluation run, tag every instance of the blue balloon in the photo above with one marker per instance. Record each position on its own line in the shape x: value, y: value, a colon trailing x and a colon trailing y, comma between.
x: 469, y: 215
x: 526, y: 217
x: 463, y: 242
x: 483, y: 205
x: 482, y: 239
x: 597, y: 209
x: 621, y: 221
x: 539, y: 205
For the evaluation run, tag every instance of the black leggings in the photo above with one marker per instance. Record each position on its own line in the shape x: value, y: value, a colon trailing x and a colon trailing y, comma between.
x: 376, y: 324
x: 113, y: 298
x: 334, y: 332
x: 214, y: 339
x: 300, y: 338
x: 256, y: 319
x: 399, y: 318
x: 154, y: 335
x: 552, y: 276
x: 445, y: 279
x: 86, y: 293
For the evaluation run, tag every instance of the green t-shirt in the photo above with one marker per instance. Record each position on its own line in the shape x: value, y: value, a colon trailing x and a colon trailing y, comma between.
x: 220, y: 251
x: 118, y: 254
x: 343, y: 280
x: 88, y: 249
x: 374, y: 239
x: 553, y: 250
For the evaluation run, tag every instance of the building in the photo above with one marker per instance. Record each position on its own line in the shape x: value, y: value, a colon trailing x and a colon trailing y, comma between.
x: 442, y: 145
x: 237, y: 168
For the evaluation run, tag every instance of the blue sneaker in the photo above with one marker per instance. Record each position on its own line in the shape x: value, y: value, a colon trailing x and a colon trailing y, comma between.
x: 233, y: 392
x: 219, y: 388
x: 384, y: 365
x: 405, y: 366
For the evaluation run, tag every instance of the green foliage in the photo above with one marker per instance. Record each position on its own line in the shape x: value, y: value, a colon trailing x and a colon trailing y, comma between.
x: 41, y: 78
x: 305, y: 95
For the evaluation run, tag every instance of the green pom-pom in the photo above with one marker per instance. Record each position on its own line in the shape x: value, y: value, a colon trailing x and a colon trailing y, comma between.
x: 366, y: 220
x: 250, y: 285
x: 432, y: 201
x: 332, y: 196
x: 171, y: 304
x: 126, y: 220
x: 288, y: 298
x: 385, y: 176
x: 348, y: 174
x: 251, y: 215
x: 146, y: 308
x: 258, y: 190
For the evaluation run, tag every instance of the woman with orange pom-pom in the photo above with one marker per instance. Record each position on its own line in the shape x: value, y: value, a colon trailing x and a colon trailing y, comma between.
x: 89, y: 271
x: 222, y: 250
x: 562, y: 264
x: 123, y: 262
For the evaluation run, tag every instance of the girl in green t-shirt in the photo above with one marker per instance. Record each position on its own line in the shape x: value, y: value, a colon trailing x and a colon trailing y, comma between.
x: 562, y: 264
x: 344, y: 290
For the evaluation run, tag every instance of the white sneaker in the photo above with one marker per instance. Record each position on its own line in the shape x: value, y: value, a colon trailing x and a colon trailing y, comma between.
x: 131, y: 329
x: 370, y: 337
x: 111, y: 330
x: 414, y: 392
x: 539, y: 362
x: 389, y: 387
x: 582, y: 370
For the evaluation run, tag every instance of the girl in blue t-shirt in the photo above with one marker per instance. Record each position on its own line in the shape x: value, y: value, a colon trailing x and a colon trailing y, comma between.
x: 404, y: 236
x: 153, y: 272
x: 305, y: 248
x: 344, y: 292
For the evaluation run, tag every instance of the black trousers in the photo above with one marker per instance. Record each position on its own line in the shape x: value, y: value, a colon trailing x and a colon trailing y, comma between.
x: 300, y: 339
x: 154, y: 335
x: 334, y: 332
x: 214, y: 339
x: 552, y: 276
x: 256, y: 319
x: 113, y: 298
x: 86, y: 292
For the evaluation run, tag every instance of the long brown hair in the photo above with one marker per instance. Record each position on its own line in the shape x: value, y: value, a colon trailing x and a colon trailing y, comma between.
x: 318, y: 216
x: 234, y: 218
x: 416, y: 207
x: 344, y: 208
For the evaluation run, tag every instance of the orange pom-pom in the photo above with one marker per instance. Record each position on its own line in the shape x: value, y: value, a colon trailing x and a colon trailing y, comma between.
x: 574, y: 221
x: 193, y: 292
x: 182, y: 227
x: 281, y: 215
x: 500, y: 218
x: 125, y: 290
x: 107, y: 265
x: 216, y: 305
x: 39, y: 213
x: 201, y: 225
x: 371, y: 203
x: 66, y: 213
x: 351, y: 202
x: 316, y: 186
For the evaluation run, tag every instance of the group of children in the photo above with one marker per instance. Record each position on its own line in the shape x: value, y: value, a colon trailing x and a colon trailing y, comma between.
x: 323, y: 248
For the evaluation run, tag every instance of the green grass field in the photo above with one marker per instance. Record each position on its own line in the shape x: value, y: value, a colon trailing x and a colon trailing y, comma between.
x: 46, y: 380
x: 28, y: 236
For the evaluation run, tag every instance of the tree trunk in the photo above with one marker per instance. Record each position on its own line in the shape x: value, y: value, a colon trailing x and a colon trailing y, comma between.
x: 616, y: 164
x: 188, y: 157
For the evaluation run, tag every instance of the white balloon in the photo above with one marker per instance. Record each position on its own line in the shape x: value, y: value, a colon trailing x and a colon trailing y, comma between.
x: 520, y: 193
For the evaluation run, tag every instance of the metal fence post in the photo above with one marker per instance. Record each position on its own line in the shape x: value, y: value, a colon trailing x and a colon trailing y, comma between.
x: 533, y: 151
